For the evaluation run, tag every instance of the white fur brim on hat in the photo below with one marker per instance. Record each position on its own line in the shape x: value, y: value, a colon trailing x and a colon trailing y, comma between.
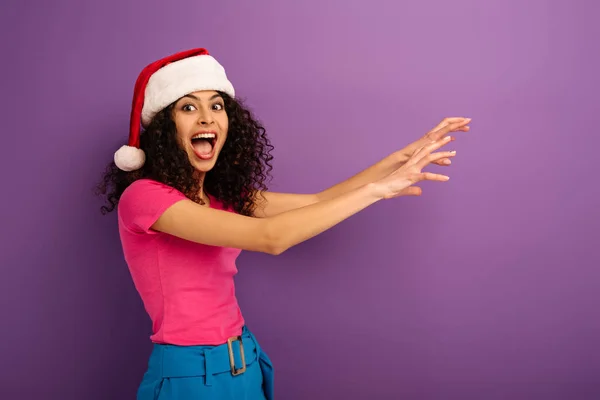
x: 182, y: 77
x: 129, y: 158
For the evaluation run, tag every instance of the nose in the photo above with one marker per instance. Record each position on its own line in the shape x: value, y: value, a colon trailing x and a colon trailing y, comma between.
x: 205, y: 117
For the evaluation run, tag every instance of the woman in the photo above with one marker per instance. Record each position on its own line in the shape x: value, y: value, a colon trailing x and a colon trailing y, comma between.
x: 191, y: 195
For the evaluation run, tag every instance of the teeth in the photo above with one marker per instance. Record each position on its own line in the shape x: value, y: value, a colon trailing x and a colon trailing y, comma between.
x: 204, y: 136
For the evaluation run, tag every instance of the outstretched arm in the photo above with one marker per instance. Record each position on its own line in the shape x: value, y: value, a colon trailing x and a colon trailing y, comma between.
x: 188, y: 220
x: 273, y: 203
x: 272, y: 235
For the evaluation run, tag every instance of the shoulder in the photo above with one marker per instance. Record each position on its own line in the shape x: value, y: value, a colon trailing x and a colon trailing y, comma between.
x: 148, y: 192
x: 146, y: 187
x: 144, y: 201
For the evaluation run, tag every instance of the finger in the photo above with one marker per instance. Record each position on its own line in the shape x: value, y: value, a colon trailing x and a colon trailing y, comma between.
x: 435, y: 157
x: 452, y: 127
x: 428, y: 148
x: 446, y: 121
x: 444, y: 162
x: 425, y: 150
x: 425, y: 140
x: 411, y: 191
x: 430, y: 176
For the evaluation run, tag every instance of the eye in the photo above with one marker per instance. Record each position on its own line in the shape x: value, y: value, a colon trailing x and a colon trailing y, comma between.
x: 188, y: 107
x: 218, y: 106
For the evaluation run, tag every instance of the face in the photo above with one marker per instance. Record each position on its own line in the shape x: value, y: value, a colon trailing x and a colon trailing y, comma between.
x: 202, y: 125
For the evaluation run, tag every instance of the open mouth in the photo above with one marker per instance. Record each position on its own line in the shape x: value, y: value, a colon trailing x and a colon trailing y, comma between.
x: 204, y: 144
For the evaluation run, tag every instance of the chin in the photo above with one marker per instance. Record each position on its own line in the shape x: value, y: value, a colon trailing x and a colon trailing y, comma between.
x: 204, y: 165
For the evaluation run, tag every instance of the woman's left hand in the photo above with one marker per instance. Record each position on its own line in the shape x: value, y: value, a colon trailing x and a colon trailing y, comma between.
x: 447, y: 125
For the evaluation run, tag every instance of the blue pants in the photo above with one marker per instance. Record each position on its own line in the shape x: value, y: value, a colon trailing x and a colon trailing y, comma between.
x: 205, y: 372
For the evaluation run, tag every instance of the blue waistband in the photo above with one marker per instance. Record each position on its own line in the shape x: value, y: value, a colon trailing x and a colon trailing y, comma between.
x: 187, y: 361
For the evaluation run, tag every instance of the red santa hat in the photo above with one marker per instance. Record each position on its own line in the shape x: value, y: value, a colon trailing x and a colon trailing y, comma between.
x: 160, y: 84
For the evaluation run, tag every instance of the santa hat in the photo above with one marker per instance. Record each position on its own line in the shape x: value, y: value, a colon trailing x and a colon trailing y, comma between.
x: 160, y: 84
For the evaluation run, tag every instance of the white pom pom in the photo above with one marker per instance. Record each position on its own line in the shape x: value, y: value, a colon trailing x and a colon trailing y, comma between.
x: 129, y: 158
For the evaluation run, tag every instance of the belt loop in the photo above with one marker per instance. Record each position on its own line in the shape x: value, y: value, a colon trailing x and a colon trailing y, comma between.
x: 208, y: 376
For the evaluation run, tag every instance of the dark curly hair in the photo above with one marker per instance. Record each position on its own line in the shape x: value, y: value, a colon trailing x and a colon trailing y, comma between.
x: 241, y: 170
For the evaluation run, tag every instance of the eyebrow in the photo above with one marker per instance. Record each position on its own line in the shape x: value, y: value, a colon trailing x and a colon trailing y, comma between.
x: 196, y: 98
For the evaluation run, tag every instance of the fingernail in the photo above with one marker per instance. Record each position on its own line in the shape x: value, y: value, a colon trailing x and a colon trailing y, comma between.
x: 453, y: 152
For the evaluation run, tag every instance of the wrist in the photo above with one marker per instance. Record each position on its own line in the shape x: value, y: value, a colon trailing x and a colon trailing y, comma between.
x: 375, y: 191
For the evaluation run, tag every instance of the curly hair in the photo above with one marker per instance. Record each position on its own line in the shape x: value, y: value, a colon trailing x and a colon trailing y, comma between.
x: 241, y: 170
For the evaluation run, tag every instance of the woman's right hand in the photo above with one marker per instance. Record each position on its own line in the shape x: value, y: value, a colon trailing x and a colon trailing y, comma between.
x: 401, y: 181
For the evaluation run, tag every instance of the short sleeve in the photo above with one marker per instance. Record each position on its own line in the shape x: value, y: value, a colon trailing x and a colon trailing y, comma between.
x: 143, y: 202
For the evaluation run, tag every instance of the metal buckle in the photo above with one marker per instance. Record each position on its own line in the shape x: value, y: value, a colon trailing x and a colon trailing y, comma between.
x: 236, y: 371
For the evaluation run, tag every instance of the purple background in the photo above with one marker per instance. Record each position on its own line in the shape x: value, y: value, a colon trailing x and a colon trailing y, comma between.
x: 486, y: 287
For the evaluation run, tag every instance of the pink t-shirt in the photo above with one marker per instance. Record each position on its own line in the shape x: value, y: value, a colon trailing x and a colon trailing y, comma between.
x: 187, y: 288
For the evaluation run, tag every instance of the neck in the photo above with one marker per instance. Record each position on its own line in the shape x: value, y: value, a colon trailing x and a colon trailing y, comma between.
x: 203, y: 196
